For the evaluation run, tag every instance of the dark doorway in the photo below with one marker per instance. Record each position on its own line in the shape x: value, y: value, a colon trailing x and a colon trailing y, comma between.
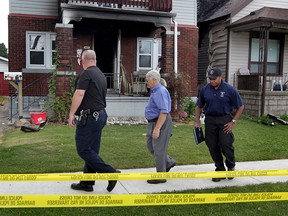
x: 105, y: 46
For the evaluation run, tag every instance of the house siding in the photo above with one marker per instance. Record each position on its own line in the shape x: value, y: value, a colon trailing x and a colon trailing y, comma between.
x: 203, y: 59
x: 239, y: 49
x: 186, y: 11
x: 217, y: 51
x: 35, y: 7
x: 3, y: 66
x: 257, y: 4
x: 3, y: 83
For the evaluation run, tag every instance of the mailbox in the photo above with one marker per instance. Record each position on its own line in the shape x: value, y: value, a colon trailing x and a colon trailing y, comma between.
x: 17, y: 76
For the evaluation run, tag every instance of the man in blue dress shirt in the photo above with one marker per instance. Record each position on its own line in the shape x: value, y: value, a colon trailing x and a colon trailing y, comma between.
x: 159, y: 127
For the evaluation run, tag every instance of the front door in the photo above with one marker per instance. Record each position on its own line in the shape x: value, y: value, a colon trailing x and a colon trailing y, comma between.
x: 105, y: 46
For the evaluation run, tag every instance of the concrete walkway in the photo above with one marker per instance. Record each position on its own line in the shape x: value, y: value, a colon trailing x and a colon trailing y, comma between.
x: 4, y: 115
x: 141, y: 186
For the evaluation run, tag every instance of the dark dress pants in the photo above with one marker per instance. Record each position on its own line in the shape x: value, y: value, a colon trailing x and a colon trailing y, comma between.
x: 219, y: 143
x: 88, y: 138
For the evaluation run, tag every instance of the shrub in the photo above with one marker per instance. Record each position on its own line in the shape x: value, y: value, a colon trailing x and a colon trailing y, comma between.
x: 189, y: 106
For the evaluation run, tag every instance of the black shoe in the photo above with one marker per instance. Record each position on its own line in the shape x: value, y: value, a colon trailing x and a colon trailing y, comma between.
x: 79, y: 186
x: 156, y: 181
x: 112, y: 184
x: 217, y: 179
x: 231, y: 169
x: 168, y: 168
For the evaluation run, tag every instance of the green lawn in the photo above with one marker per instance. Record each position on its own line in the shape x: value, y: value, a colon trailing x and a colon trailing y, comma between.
x: 53, y: 150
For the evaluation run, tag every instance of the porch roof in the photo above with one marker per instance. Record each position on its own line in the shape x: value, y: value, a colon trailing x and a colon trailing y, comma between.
x: 276, y: 19
x: 77, y: 12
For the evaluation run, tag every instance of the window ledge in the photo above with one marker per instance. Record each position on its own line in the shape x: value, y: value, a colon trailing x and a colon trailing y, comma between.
x: 35, y: 70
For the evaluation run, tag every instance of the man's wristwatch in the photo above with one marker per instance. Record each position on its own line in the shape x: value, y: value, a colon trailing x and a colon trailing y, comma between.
x: 234, y: 121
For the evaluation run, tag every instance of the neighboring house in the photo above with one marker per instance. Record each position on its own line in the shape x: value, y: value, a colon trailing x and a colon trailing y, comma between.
x: 129, y: 38
x: 248, y: 41
x: 4, y: 86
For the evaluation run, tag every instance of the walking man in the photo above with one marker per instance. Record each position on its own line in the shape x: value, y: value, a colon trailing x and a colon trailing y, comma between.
x: 159, y: 127
x: 88, y: 113
x: 222, y: 106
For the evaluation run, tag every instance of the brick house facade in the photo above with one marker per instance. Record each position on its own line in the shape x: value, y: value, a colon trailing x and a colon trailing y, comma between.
x: 79, y: 26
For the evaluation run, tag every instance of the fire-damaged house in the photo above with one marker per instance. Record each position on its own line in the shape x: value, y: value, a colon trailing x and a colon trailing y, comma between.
x: 130, y: 38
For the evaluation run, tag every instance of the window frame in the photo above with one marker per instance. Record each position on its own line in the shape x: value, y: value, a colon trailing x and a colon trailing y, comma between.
x: 272, y: 36
x: 155, y: 55
x: 49, y: 37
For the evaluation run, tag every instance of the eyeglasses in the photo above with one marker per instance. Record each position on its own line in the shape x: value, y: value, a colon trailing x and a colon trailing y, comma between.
x: 212, y: 78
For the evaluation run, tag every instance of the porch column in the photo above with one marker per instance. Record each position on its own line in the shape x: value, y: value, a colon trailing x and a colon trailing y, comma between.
x: 64, y: 46
x: 168, y: 52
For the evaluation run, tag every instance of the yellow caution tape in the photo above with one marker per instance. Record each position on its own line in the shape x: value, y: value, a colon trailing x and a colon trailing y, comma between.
x: 139, y: 176
x: 33, y: 201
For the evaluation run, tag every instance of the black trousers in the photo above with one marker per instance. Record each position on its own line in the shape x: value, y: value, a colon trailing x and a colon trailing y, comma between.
x: 219, y: 143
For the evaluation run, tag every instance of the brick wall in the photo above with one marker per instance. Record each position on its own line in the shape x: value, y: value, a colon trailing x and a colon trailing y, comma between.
x: 80, y: 41
x: 188, y: 55
x: 17, y: 27
x: 64, y: 45
x: 276, y: 102
x: 129, y: 53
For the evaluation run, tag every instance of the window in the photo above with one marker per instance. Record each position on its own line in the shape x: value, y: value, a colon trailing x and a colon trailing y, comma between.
x: 40, y: 49
x: 148, y: 53
x: 275, y: 53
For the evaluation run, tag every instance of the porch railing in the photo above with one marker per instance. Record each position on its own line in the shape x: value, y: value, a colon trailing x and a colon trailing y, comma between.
x: 254, y: 82
x: 154, y: 5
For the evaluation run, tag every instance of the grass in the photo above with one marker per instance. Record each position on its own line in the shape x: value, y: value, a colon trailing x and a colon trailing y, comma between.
x: 53, y: 150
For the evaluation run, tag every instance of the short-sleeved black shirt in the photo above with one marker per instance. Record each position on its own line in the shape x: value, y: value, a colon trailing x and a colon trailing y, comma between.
x: 94, y: 82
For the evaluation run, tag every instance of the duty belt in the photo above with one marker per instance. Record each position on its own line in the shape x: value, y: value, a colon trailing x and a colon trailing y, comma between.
x: 95, y: 114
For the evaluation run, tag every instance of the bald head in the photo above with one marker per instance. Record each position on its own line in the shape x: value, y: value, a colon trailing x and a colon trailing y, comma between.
x: 89, y: 55
x: 88, y: 59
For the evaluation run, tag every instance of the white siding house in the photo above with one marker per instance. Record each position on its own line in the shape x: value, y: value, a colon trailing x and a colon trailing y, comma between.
x: 35, y: 7
x: 186, y: 11
x: 257, y: 51
x: 257, y: 4
x: 3, y: 64
x: 3, y: 83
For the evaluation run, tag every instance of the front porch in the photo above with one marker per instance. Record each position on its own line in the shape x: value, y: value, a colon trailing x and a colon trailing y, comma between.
x: 272, y: 99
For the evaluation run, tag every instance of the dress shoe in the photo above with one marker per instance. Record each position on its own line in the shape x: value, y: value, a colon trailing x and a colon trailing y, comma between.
x: 156, y: 181
x: 79, y: 186
x: 217, y: 179
x: 112, y: 183
x: 231, y: 169
x: 170, y: 167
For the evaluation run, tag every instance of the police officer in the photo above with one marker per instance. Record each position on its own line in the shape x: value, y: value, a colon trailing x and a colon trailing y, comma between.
x: 88, y: 105
x: 222, y: 107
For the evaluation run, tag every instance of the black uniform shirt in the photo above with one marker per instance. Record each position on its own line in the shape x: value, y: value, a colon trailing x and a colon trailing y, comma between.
x: 94, y: 82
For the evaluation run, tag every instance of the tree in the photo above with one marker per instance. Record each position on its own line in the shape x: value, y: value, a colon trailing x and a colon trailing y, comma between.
x: 3, y: 50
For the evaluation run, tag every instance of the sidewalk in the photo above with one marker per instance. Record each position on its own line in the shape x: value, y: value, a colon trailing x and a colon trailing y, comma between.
x: 141, y: 186
x: 4, y: 115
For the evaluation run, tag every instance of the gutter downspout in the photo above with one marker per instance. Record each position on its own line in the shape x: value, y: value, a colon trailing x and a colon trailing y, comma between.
x: 175, y: 47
